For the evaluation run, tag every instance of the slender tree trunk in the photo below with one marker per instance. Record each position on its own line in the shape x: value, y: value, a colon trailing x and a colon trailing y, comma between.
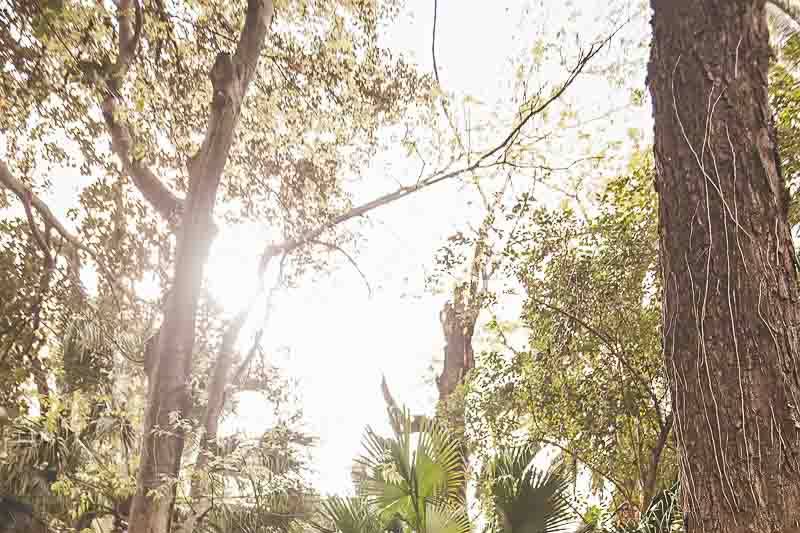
x: 650, y: 479
x: 730, y: 281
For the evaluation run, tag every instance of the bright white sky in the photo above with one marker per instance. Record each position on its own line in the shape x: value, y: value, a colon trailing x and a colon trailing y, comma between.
x: 342, y: 340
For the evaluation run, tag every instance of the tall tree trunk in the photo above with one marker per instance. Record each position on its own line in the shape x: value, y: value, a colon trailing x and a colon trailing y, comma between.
x: 730, y: 281
x: 169, y: 396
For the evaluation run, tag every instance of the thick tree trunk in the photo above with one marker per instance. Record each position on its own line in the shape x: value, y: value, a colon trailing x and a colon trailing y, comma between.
x: 730, y: 282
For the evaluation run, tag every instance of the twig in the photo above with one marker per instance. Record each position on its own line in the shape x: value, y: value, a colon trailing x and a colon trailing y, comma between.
x: 257, y: 341
x: 442, y: 100
x: 349, y: 257
x: 437, y: 177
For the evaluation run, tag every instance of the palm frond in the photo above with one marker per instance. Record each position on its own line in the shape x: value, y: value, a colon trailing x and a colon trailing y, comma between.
x: 446, y: 519
x: 663, y: 515
x: 529, y: 500
x: 664, y: 512
x: 351, y: 515
x: 420, y: 466
x: 783, y: 18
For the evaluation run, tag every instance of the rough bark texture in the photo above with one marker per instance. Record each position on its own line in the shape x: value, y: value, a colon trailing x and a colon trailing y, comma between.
x: 730, y: 281
x: 169, y: 395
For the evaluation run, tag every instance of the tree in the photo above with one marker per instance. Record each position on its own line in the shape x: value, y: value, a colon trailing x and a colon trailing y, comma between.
x: 728, y: 267
x: 121, y: 92
x: 587, y: 377
x: 135, y: 75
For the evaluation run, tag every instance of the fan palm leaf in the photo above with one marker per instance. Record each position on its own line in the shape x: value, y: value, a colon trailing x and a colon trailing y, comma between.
x: 413, y: 477
x: 351, y: 515
x: 413, y: 473
x: 528, y: 500
x: 663, y: 514
x: 446, y: 519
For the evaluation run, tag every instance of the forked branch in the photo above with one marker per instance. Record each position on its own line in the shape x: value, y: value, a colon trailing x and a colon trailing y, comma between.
x: 27, y: 198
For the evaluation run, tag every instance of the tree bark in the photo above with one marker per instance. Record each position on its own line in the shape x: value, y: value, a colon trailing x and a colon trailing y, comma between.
x: 458, y: 327
x: 730, y: 280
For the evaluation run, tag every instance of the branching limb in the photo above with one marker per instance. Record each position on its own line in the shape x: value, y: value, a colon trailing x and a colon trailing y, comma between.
x: 152, y: 188
x: 41, y: 241
x: 230, y: 78
x: 655, y: 460
x: 613, y: 346
x: 29, y: 200
x: 31, y: 203
x: 440, y: 176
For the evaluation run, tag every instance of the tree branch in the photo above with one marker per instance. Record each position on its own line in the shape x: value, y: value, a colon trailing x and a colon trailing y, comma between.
x: 617, y: 483
x: 655, y: 461
x: 440, y: 176
x: 618, y: 352
x: 237, y: 376
x: 337, y: 248
x: 443, y: 101
x: 41, y: 241
x: 230, y: 77
x: 27, y: 198
x: 151, y: 187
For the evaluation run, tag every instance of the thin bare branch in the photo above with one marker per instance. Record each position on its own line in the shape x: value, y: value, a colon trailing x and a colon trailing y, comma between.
x: 337, y: 248
x: 604, y: 473
x: 442, y: 100
x: 237, y: 376
x: 440, y: 176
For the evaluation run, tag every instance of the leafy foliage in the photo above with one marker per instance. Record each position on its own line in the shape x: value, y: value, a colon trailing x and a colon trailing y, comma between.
x: 590, y: 382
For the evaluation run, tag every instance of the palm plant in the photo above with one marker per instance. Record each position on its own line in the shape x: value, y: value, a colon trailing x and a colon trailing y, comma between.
x: 412, y: 483
x: 527, y: 499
